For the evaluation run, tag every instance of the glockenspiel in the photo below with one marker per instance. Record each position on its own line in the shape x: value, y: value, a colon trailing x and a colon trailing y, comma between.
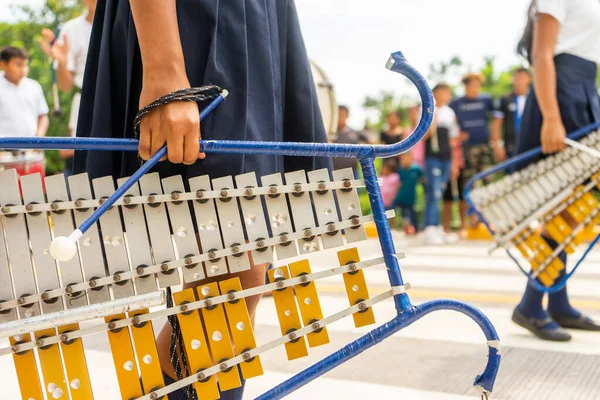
x: 154, y: 234
x: 554, y: 195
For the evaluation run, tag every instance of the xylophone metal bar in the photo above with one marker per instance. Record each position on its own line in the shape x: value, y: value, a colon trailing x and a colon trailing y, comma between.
x: 407, y: 313
x: 507, y: 166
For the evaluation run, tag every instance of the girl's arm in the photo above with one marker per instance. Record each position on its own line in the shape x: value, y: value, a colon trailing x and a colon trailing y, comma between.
x: 544, y: 42
x: 176, y: 124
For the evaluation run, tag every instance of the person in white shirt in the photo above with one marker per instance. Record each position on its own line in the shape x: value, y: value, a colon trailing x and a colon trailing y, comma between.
x: 23, y: 107
x: 562, y: 42
x: 69, y: 52
x: 440, y: 164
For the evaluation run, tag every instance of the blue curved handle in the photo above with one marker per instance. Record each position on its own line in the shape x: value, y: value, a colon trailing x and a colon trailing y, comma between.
x: 397, y: 63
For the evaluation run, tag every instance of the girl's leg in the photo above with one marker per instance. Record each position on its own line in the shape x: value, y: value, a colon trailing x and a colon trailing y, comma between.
x: 530, y: 314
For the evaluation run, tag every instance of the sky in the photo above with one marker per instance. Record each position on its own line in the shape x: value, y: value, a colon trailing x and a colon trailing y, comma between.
x: 351, y: 40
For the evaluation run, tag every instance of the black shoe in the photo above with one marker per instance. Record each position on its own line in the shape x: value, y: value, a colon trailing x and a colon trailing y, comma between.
x: 539, y: 327
x: 582, y: 323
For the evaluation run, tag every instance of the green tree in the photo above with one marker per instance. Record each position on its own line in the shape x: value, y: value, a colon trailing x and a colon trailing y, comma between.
x: 24, y: 33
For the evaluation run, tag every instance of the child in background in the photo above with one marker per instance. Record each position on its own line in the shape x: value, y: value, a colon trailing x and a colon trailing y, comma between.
x: 410, y: 174
x: 391, y: 182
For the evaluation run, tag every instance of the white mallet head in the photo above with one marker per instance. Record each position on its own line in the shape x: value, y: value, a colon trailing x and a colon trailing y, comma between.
x: 65, y: 248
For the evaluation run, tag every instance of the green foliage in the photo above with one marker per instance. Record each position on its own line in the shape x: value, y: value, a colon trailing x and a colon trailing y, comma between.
x: 24, y: 33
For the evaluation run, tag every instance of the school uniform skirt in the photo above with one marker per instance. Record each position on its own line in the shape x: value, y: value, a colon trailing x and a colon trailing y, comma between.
x: 578, y: 102
x: 254, y: 49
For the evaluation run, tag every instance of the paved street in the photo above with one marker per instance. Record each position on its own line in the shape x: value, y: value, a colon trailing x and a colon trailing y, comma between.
x: 439, y: 356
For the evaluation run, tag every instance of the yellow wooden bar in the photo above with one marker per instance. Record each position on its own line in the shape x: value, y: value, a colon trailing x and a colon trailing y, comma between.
x: 52, y: 367
x: 356, y: 287
x: 196, y: 347
x: 147, y: 354
x: 308, y: 301
x: 76, y: 366
x: 241, y: 328
x: 218, y: 337
x: 287, y: 313
x: 27, y: 372
x: 124, y: 359
x: 559, y: 235
x: 577, y: 211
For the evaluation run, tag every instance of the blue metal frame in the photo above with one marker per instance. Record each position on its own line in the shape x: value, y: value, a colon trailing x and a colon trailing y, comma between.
x: 507, y: 166
x: 366, y: 154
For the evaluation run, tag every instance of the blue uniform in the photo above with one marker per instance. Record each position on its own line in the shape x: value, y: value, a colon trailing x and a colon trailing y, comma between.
x: 577, y: 97
x: 253, y: 49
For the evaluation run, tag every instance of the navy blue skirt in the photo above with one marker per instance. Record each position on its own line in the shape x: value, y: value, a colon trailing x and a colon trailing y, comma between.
x: 252, y: 48
x: 578, y: 101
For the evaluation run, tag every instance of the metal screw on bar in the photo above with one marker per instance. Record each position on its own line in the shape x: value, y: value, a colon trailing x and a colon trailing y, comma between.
x: 322, y: 186
x: 362, y: 306
x: 5, y: 210
x: 347, y: 183
x: 246, y: 356
x: 223, y: 193
x: 331, y: 228
x: 154, y: 396
x: 279, y: 284
x: 28, y: 207
x: 235, y: 249
x: 188, y: 260
x: 164, y: 267
x: 135, y: 320
x: 200, y: 194
x: 355, y: 221
x: 78, y: 203
x: 352, y: 267
x: 65, y: 338
x: 273, y: 190
x: 151, y: 199
x: 39, y: 342
x: 208, y: 303
x: 315, y: 326
x: 231, y: 296
x: 112, y: 325
x: 212, y: 254
x: 248, y: 192
x: 297, y: 188
x: 292, y: 336
x: 15, y: 348
x: 21, y: 300
x: 283, y: 239
x: 140, y: 270
x: 45, y: 296
x: 201, y: 376
x: 260, y: 244
x: 54, y: 206
x: 223, y: 366
x: 93, y: 283
x: 174, y: 196
x: 308, y: 233
x: 117, y: 277
x: 303, y: 279
x: 127, y: 200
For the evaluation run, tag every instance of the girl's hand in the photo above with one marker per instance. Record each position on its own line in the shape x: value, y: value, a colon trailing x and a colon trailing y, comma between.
x: 175, y: 124
x: 553, y: 135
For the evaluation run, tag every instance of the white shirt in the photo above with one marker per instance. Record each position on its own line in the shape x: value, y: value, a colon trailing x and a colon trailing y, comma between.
x: 579, y: 32
x: 78, y: 30
x: 20, y: 107
x: 446, y: 118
